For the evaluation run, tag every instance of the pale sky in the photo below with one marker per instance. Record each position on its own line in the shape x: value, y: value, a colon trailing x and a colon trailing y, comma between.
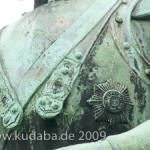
x: 11, y: 10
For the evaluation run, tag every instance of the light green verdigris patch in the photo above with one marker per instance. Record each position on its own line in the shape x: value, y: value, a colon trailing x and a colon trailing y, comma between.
x: 13, y: 116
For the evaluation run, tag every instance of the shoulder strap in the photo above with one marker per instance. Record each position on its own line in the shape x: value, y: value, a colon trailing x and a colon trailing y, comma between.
x: 59, y: 85
x: 11, y: 110
x: 61, y: 48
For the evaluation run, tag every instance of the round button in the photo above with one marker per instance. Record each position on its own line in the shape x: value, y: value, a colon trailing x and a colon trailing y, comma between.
x: 126, y: 45
x: 64, y: 70
x: 78, y: 55
x: 119, y: 19
x: 55, y: 106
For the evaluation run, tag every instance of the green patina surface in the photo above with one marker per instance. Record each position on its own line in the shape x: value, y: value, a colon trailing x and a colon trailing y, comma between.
x: 111, y: 56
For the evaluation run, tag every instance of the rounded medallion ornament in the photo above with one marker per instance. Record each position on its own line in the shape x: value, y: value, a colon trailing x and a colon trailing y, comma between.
x: 111, y: 103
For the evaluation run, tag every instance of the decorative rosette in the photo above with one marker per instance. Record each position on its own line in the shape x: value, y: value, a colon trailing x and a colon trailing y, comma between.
x: 111, y: 102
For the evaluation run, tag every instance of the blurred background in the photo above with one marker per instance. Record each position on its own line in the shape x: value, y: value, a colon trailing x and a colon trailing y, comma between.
x: 12, y: 10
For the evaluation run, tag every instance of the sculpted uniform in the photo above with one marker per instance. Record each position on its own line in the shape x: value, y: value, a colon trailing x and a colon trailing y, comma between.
x: 75, y: 67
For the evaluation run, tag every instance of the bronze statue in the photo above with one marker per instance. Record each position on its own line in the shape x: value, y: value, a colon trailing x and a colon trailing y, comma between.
x: 77, y: 67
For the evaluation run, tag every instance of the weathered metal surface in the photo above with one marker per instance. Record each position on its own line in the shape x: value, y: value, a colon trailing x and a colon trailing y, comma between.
x: 13, y: 116
x: 38, y: 36
x: 11, y: 110
x: 60, y: 48
x: 142, y: 10
x: 106, y: 52
x: 66, y: 42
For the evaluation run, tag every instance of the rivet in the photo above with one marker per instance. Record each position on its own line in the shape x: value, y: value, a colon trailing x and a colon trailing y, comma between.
x: 147, y: 72
x: 6, y: 119
x: 124, y: 1
x: 64, y: 71
x: 78, y: 55
x: 126, y: 45
x: 119, y: 19
x: 55, y: 106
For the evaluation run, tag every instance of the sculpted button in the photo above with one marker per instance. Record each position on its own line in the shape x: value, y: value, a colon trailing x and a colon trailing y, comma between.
x: 126, y: 45
x: 64, y: 70
x: 78, y: 55
x: 119, y: 19
x: 55, y: 106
